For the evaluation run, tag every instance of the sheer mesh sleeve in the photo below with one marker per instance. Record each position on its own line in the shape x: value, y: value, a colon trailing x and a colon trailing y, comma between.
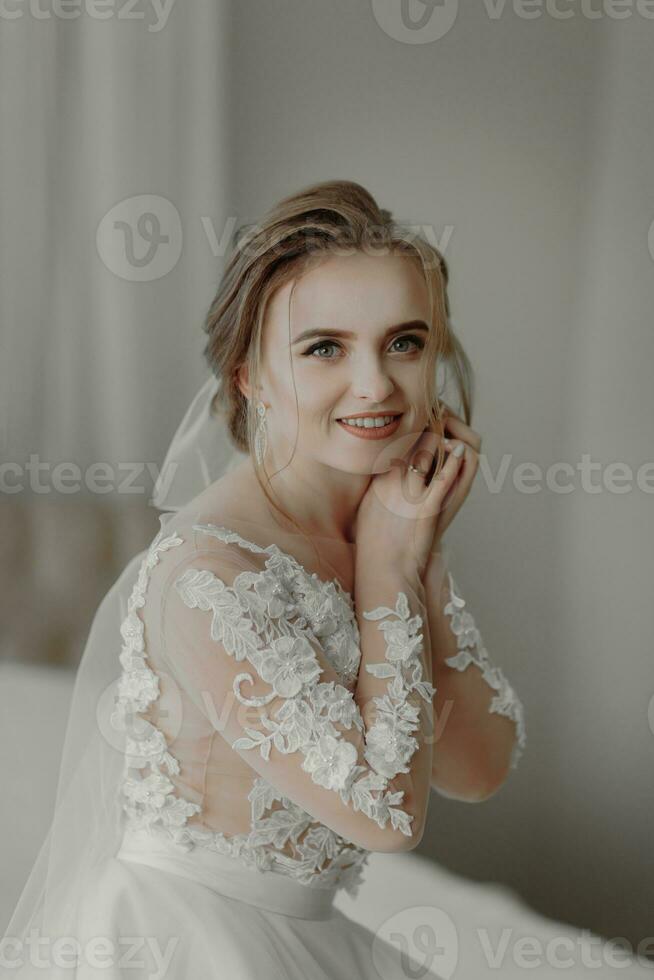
x: 472, y: 651
x: 239, y: 642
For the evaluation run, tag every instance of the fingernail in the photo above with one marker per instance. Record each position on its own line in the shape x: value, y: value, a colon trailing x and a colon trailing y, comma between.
x: 459, y: 449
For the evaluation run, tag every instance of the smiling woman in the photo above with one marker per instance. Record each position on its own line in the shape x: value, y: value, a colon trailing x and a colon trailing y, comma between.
x: 365, y: 334
x: 273, y: 724
x: 373, y: 297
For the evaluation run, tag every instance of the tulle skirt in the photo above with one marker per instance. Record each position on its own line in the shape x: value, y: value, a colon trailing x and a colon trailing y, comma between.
x: 159, y: 912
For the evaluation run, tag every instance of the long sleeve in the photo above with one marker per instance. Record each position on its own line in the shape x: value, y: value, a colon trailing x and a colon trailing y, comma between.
x: 395, y: 698
x: 471, y: 650
x: 245, y: 648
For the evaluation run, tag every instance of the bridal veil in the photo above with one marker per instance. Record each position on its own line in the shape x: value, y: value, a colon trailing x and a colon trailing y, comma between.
x: 40, y: 939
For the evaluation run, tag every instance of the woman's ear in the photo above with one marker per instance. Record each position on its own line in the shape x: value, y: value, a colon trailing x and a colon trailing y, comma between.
x: 242, y: 378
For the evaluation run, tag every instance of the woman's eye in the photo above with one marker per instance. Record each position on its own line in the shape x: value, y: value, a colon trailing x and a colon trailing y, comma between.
x: 321, y: 346
x: 329, y: 344
x: 418, y: 343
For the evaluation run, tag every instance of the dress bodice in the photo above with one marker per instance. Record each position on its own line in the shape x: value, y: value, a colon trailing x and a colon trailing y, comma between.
x: 220, y: 630
x: 280, y: 835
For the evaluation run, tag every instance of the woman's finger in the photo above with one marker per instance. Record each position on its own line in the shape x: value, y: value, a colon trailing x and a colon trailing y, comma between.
x: 443, y: 480
x: 419, y: 462
x: 460, y: 430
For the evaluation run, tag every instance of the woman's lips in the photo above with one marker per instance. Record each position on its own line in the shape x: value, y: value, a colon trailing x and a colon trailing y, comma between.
x: 372, y: 432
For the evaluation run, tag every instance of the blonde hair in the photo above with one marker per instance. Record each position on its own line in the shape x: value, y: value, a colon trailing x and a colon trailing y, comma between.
x: 296, y: 234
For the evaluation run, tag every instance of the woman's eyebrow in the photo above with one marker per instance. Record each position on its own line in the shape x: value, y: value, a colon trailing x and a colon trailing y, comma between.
x: 330, y: 332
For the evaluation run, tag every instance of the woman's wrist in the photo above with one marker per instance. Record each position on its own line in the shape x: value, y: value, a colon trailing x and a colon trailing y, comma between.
x: 376, y: 579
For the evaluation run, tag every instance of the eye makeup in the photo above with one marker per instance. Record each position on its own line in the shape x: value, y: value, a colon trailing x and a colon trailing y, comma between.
x: 418, y: 341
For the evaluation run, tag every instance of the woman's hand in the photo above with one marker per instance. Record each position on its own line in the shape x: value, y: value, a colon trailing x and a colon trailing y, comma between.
x: 457, y: 428
x: 399, y: 512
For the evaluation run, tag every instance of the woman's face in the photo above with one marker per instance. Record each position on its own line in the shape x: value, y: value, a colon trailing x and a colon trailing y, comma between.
x: 368, y: 319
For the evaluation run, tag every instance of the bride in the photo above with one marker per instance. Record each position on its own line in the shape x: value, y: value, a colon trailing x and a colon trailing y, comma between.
x: 293, y: 675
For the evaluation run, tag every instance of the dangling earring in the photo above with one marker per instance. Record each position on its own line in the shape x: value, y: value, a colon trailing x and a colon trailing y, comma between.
x: 260, y: 435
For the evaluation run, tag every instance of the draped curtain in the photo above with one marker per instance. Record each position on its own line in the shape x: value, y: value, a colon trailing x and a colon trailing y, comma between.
x: 130, y: 115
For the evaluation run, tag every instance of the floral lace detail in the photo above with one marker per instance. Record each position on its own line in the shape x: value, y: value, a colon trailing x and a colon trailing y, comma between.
x: 259, y: 620
x: 148, y: 799
x: 472, y: 651
x: 322, y: 858
x: 286, y: 587
x: 389, y: 743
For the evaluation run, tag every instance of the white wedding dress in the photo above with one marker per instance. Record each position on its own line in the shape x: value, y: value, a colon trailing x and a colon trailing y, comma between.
x: 236, y: 836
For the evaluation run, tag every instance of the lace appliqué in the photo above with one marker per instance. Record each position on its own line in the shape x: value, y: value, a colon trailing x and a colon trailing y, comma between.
x: 257, y: 619
x: 321, y: 858
x: 148, y: 799
x: 389, y: 743
x: 287, y: 588
x: 472, y: 651
x: 151, y: 802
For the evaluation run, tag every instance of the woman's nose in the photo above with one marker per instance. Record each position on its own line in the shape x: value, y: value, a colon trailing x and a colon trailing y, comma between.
x: 371, y: 382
